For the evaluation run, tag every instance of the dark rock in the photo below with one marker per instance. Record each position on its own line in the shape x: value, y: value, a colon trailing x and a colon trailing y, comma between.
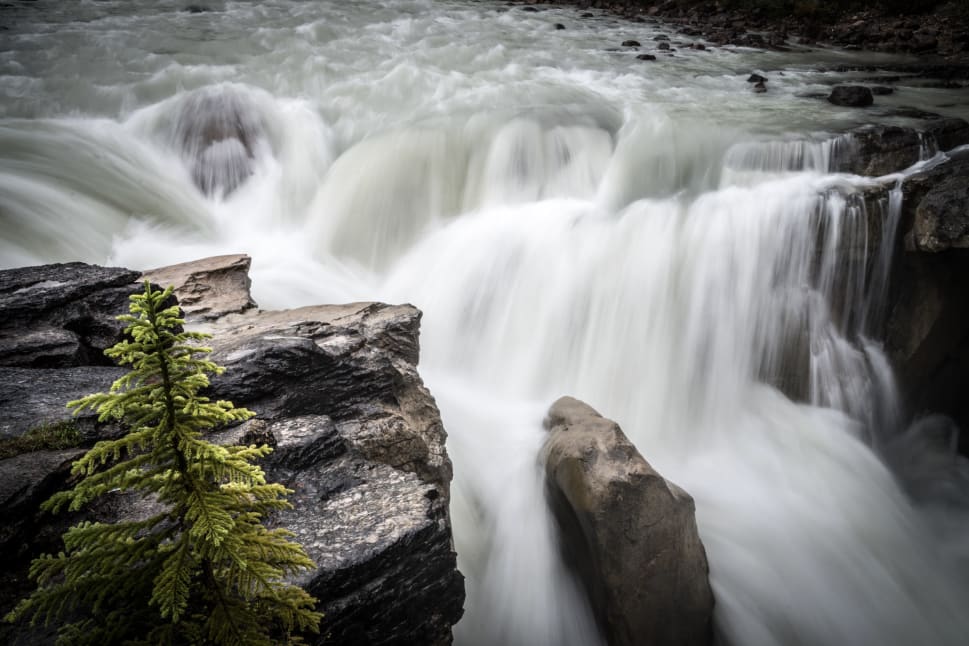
x: 661, y: 37
x: 942, y: 216
x: 855, y: 96
x: 587, y: 15
x: 927, y: 328
x: 664, y: 46
x: 630, y: 43
x: 760, y: 88
x: 530, y: 9
x: 195, y: 8
x: 559, y: 25
x: 61, y: 315
x: 357, y: 437
x: 630, y: 534
x: 646, y: 57
x: 756, y: 78
x: 879, y: 150
x: 32, y: 397
x: 699, y: 46
x: 947, y: 133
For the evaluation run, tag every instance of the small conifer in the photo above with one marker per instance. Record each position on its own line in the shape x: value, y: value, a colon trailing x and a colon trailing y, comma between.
x: 203, y: 569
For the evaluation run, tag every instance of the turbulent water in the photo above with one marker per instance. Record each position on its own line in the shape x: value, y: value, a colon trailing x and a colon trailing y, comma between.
x: 653, y: 238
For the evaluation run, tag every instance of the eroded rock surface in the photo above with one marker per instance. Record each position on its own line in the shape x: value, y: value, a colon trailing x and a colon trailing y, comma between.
x: 880, y: 149
x: 630, y: 534
x: 357, y: 436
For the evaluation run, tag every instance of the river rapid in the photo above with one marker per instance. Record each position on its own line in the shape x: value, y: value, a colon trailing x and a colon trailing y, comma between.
x: 651, y: 237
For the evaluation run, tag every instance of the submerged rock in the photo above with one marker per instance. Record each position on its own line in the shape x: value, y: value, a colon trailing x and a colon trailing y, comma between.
x: 217, y: 129
x: 357, y: 436
x: 854, y: 96
x: 630, y: 535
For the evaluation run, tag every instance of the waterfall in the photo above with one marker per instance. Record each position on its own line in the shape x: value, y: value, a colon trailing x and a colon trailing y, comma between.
x: 653, y: 239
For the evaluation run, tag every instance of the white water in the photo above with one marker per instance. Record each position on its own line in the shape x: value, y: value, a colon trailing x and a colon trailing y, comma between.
x: 652, y: 238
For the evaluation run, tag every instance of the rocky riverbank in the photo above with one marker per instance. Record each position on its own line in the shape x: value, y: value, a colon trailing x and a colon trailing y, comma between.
x: 939, y: 37
x: 357, y: 436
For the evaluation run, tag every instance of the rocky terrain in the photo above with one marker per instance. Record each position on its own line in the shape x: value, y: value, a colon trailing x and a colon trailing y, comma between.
x: 357, y: 436
x: 939, y: 36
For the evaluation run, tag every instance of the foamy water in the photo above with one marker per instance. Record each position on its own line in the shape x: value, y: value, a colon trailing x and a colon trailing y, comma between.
x: 652, y: 238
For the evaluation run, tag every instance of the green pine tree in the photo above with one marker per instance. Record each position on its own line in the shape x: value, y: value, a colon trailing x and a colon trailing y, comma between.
x: 203, y: 569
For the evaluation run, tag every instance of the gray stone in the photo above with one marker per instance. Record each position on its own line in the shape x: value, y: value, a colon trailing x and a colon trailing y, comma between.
x: 208, y: 288
x: 357, y: 437
x: 61, y: 315
x: 31, y: 397
x: 630, y: 535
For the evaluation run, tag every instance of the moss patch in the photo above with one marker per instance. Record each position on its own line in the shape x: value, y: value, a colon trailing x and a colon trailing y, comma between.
x: 55, y: 435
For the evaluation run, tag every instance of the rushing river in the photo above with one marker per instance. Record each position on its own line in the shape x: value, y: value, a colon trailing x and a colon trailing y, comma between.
x: 651, y: 237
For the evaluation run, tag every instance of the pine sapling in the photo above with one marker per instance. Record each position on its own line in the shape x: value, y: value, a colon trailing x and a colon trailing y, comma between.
x: 202, y: 568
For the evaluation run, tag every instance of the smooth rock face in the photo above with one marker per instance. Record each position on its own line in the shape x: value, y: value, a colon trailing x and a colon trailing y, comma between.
x: 855, y: 96
x: 630, y: 535
x: 357, y: 437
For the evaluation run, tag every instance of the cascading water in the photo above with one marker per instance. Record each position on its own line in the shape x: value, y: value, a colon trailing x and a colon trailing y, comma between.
x: 571, y: 221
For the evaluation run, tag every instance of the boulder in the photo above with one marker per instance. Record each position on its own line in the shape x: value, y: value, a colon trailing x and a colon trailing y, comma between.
x: 756, y: 78
x: 854, y: 96
x: 630, y: 535
x: 646, y: 57
x: 357, y: 436
x: 630, y: 43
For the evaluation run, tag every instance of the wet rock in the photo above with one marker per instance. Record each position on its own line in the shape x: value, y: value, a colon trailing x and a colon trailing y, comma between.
x: 630, y: 43
x: 664, y: 46
x: 357, y: 436
x: 879, y: 150
x: 756, y: 78
x: 760, y: 88
x: 630, y: 534
x: 61, y: 315
x: 941, y: 219
x: 855, y: 96
x: 217, y: 129
x: 646, y: 57
x: 559, y: 26
x: 196, y: 8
